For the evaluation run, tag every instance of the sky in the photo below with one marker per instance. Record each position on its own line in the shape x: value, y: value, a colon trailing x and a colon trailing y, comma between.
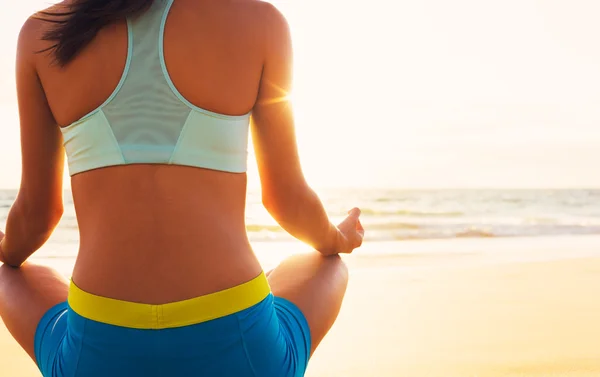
x: 422, y: 94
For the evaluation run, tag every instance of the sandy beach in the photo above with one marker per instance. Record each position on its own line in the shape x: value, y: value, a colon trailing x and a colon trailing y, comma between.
x: 460, y: 308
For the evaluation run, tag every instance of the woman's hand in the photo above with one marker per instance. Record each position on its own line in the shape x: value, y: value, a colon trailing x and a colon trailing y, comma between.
x: 351, y: 233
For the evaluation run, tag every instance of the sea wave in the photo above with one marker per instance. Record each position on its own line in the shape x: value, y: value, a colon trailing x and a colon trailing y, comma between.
x: 263, y: 228
x: 410, y: 213
x: 398, y: 232
x: 474, y: 233
x: 386, y: 231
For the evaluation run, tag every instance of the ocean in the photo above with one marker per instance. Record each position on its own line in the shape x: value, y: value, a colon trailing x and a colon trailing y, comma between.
x: 397, y: 215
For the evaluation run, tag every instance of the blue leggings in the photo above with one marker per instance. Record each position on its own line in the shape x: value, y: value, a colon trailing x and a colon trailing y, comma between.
x: 268, y: 339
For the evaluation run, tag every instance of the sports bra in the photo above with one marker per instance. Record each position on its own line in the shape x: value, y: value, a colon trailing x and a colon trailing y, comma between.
x: 147, y: 121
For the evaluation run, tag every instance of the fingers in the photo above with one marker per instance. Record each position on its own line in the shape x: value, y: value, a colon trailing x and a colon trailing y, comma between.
x: 360, y: 229
x: 352, y: 229
x: 359, y: 234
x: 351, y: 219
x: 354, y: 213
x: 359, y: 226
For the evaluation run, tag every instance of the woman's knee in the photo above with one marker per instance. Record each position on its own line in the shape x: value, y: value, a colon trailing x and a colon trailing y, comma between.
x: 7, y: 275
x: 334, y: 268
x: 29, y: 274
x: 337, y: 271
x: 31, y: 283
x: 312, y: 268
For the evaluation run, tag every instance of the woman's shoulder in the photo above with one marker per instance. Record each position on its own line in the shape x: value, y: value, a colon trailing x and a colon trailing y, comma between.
x: 31, y: 35
x: 267, y: 18
x: 261, y: 11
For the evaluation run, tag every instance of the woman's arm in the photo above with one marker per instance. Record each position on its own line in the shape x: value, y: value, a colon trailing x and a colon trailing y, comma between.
x: 38, y: 207
x: 285, y: 192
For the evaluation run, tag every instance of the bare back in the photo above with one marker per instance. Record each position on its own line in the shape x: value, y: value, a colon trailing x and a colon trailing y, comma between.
x: 157, y: 233
x: 161, y: 213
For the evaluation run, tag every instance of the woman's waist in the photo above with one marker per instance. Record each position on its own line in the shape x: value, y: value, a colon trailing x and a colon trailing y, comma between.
x: 138, y: 315
x: 115, y: 229
x: 162, y: 274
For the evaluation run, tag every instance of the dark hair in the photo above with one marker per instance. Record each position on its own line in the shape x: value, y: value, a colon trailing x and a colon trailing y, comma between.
x: 76, y: 26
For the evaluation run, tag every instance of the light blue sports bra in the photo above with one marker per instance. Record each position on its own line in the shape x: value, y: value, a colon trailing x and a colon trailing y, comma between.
x: 146, y: 120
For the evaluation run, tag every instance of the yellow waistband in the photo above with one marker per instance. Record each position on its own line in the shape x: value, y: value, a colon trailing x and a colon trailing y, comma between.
x: 175, y: 314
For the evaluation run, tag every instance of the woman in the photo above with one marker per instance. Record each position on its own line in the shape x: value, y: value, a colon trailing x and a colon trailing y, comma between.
x: 152, y: 100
